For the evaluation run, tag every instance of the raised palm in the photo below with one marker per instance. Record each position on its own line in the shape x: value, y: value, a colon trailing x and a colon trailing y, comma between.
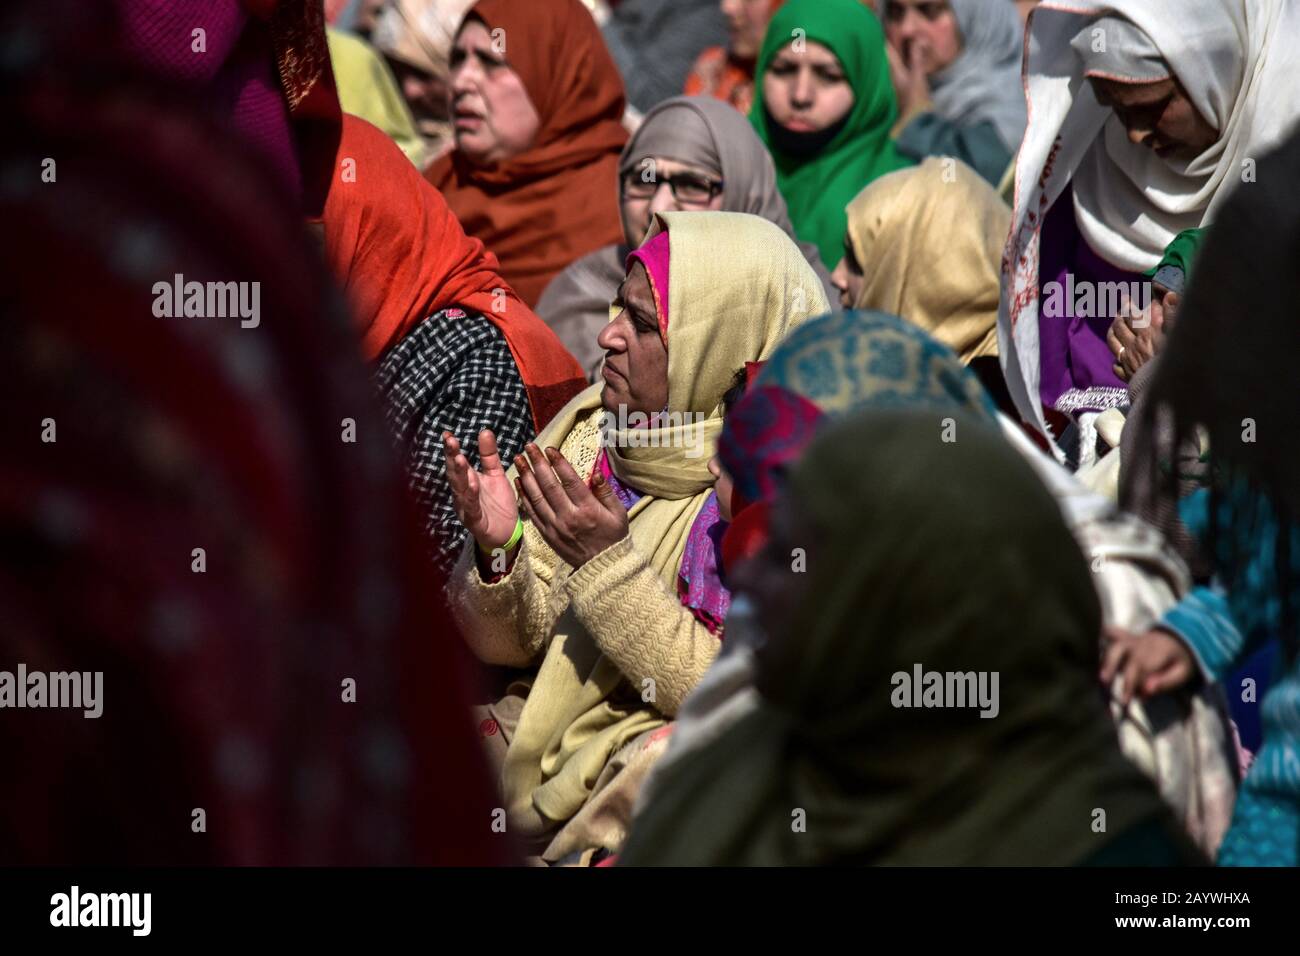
x: 484, y: 498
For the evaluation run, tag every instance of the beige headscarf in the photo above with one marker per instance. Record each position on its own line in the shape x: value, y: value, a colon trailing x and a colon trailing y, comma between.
x: 738, y: 284
x: 420, y: 34
x: 930, y: 240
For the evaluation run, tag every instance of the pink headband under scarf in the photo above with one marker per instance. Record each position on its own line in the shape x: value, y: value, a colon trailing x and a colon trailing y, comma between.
x: 653, y: 254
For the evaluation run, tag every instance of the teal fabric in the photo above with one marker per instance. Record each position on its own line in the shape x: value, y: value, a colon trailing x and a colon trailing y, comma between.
x: 1223, y: 627
x: 848, y: 360
x: 978, y: 146
x: 827, y: 368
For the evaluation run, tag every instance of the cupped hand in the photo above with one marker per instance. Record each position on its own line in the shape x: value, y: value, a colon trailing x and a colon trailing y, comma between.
x: 483, y: 498
x: 577, y: 522
x: 1135, y: 339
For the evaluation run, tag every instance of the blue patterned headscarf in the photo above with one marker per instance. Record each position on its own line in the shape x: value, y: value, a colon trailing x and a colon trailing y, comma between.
x: 827, y: 368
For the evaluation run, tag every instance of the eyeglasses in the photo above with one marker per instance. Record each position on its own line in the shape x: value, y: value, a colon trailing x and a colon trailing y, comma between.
x: 687, y: 188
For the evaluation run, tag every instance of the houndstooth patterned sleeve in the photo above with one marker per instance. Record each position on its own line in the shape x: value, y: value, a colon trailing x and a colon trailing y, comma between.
x: 452, y: 372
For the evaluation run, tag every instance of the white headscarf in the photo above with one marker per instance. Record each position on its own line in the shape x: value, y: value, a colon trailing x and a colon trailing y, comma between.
x: 1237, y: 59
x: 420, y: 33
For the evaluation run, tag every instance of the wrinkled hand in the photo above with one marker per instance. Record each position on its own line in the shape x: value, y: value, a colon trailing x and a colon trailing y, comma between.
x: 1151, y: 663
x: 484, y: 500
x: 911, y: 85
x: 577, y: 523
x: 1135, y: 339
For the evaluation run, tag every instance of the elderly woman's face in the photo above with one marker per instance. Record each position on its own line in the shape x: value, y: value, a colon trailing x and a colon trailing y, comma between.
x: 928, y: 25
x: 809, y: 91
x: 1159, y: 116
x: 656, y: 184
x: 493, y: 117
x: 636, y: 359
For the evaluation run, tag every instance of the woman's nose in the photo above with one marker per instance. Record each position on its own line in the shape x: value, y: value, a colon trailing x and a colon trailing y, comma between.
x: 464, y: 77
x: 608, y: 338
x: 802, y: 94
x: 909, y: 26
x: 663, y: 200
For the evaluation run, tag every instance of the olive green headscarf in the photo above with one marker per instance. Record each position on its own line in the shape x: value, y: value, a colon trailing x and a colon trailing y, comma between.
x: 818, y: 188
x: 954, y: 556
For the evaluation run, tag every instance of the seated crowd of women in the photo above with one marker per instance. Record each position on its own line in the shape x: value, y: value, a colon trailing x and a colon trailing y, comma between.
x: 799, y: 493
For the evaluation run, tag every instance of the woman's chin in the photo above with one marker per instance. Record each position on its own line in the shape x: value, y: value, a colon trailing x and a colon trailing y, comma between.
x: 611, y: 399
x: 472, y: 147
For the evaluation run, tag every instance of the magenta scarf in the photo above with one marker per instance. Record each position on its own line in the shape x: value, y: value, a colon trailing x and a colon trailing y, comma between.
x: 653, y: 254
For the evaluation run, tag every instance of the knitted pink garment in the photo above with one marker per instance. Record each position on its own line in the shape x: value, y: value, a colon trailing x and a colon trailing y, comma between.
x: 230, y: 64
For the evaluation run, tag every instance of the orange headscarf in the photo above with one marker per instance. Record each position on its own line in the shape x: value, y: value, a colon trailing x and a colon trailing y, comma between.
x: 400, y: 255
x: 555, y: 202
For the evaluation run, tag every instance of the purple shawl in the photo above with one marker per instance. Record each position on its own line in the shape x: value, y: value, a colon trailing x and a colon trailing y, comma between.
x: 1074, y: 359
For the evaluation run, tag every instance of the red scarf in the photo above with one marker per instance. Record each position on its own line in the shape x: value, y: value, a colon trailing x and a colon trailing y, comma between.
x: 401, y: 255
x: 558, y: 200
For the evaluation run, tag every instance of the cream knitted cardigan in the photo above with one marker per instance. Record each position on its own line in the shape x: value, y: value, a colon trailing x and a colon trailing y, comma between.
x: 631, y: 615
x: 617, y: 597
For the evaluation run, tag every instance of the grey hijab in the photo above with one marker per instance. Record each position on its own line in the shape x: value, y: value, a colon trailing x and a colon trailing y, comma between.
x: 709, y: 133
x: 704, y: 132
x: 984, y: 83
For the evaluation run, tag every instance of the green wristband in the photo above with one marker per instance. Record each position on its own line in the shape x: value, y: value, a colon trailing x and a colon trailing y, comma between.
x: 509, y: 545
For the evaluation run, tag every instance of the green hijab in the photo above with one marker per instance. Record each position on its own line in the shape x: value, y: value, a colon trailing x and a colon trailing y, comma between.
x: 954, y: 556
x: 818, y: 188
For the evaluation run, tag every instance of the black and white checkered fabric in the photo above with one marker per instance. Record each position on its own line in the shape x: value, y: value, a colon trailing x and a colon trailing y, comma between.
x: 452, y: 372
